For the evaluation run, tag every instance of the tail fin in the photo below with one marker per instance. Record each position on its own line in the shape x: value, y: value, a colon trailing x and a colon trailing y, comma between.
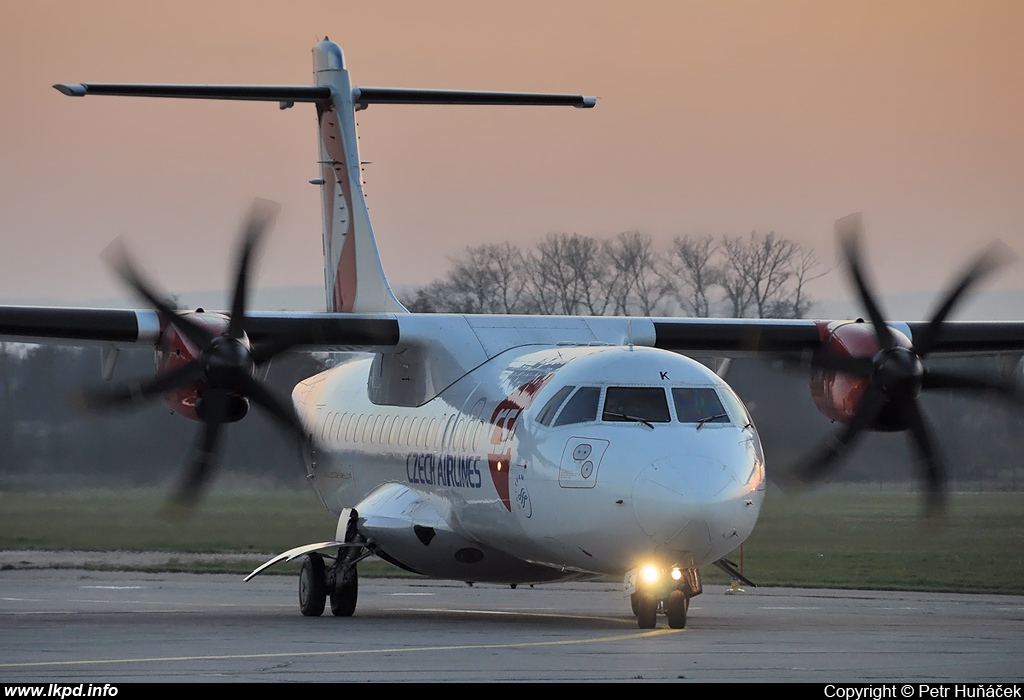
x: 353, y: 273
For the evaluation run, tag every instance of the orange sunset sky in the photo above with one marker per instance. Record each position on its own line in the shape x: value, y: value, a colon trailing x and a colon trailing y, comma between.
x: 714, y: 117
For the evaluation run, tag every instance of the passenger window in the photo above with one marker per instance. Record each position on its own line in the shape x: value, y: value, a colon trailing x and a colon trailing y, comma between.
x: 581, y: 408
x: 633, y: 404
x: 551, y: 407
x: 696, y: 404
x: 446, y: 436
x: 460, y: 429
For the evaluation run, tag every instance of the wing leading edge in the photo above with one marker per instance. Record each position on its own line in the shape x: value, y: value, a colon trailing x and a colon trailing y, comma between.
x: 144, y: 327
x: 720, y: 337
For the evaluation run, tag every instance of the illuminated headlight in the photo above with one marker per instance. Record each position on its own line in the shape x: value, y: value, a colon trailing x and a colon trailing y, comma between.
x: 676, y: 573
x: 650, y: 573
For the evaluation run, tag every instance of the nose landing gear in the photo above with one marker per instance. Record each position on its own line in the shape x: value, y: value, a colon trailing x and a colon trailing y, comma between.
x: 646, y: 607
x: 662, y: 591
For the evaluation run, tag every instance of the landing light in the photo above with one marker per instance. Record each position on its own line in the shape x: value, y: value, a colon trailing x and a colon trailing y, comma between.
x: 650, y: 573
x: 676, y: 573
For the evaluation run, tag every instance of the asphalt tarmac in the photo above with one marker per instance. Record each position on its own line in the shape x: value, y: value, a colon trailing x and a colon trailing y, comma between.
x: 72, y: 625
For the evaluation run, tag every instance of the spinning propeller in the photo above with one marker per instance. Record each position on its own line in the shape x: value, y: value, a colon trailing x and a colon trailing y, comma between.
x: 897, y: 373
x: 219, y: 363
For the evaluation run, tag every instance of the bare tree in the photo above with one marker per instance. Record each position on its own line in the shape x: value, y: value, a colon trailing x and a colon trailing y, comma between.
x: 767, y: 275
x: 807, y: 267
x: 570, y: 274
x: 692, y: 272
x: 487, y: 279
x: 638, y: 282
x: 762, y: 275
x: 733, y: 276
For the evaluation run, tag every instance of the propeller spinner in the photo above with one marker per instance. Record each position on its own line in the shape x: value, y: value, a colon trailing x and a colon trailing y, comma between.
x: 897, y: 373
x: 222, y: 369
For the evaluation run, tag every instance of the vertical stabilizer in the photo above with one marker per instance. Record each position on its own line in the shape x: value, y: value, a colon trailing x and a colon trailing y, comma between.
x: 353, y: 273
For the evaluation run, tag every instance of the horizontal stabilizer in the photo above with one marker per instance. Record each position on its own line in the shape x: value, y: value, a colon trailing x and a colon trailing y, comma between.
x: 322, y: 93
x: 412, y: 96
x: 268, y: 93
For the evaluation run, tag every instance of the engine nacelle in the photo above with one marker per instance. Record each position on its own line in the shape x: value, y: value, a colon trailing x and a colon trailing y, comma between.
x: 174, y: 350
x: 837, y: 394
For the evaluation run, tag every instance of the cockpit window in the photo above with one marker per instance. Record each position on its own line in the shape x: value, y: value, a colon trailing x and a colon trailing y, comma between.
x: 736, y: 407
x: 699, y: 405
x: 551, y: 407
x: 635, y: 404
x: 581, y: 408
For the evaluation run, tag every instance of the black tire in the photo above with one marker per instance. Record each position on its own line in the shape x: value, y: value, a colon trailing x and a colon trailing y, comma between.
x: 312, y: 586
x: 647, y: 611
x: 343, y: 600
x: 634, y: 603
x: 675, y: 609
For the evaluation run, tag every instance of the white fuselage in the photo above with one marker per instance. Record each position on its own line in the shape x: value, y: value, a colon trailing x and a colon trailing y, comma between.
x: 531, y: 481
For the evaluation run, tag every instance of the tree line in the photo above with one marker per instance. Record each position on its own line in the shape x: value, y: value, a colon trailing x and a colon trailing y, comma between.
x: 760, y: 275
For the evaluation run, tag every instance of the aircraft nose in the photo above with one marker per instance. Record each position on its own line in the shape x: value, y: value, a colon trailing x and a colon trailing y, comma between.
x: 696, y: 504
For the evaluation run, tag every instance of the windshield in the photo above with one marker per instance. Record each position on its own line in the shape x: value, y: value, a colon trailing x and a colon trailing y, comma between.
x: 627, y: 403
x: 699, y: 405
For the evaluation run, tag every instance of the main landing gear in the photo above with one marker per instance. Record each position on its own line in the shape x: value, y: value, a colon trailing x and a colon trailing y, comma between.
x: 662, y: 591
x: 338, y: 582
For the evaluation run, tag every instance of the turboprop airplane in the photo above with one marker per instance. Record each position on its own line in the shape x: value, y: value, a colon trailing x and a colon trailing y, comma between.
x: 508, y: 449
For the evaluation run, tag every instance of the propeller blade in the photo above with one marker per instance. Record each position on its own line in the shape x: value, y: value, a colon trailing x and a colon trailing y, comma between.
x: 934, y: 471
x: 261, y: 215
x: 136, y: 392
x: 204, y: 459
x: 117, y: 257
x: 871, y: 404
x: 849, y: 230
x: 282, y: 412
x: 991, y: 259
x: 1006, y: 388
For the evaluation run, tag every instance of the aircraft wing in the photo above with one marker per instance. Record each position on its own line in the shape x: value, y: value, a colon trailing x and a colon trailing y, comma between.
x: 721, y: 337
x: 144, y: 327
x: 750, y: 337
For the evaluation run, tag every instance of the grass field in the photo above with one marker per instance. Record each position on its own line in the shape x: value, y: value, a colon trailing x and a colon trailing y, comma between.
x: 843, y: 540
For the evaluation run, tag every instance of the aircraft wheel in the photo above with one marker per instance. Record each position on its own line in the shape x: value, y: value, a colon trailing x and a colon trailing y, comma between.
x: 675, y: 609
x: 634, y: 603
x: 343, y: 600
x: 647, y: 611
x: 312, y: 586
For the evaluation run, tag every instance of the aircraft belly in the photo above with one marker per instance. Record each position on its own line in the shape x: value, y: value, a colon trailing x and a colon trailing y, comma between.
x: 404, y: 526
